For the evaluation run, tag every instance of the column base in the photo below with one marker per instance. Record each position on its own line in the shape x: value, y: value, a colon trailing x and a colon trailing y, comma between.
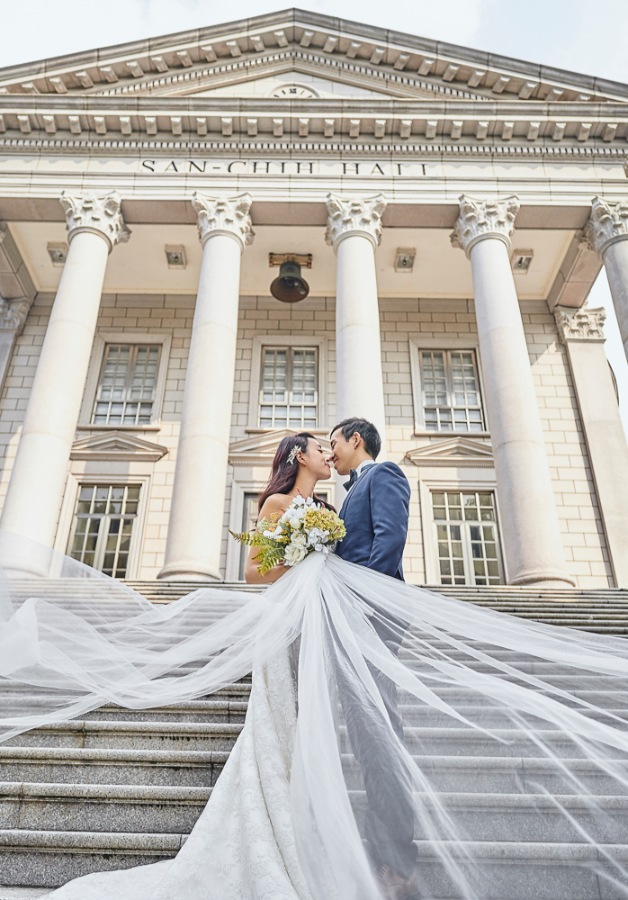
x: 183, y: 572
x: 543, y: 580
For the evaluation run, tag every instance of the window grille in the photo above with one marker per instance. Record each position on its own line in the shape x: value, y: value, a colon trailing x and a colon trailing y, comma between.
x: 126, y: 386
x: 450, y: 391
x: 103, y: 526
x: 288, y: 396
x: 467, y: 537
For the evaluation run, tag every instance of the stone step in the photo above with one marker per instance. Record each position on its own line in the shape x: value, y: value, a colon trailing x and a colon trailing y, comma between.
x: 50, y: 858
x: 597, y: 621
x: 201, y: 768
x: 18, y: 893
x: 519, y: 871
x: 131, y: 735
x: 424, y: 658
x: 455, y: 741
x: 484, y: 817
x: 175, y: 768
x: 447, y: 741
x: 508, y: 775
x: 561, y: 676
x: 209, y: 710
x: 570, y: 680
x: 412, y: 711
x: 240, y: 689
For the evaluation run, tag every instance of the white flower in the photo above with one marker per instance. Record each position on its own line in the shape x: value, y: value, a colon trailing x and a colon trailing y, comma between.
x: 293, y: 517
x: 294, y: 555
x: 299, y: 540
x: 316, y: 537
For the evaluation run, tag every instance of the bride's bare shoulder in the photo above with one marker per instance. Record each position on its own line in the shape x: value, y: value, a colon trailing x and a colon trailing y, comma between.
x: 276, y: 503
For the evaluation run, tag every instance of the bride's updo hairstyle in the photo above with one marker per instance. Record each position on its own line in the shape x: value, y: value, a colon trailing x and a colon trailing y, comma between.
x: 284, y: 470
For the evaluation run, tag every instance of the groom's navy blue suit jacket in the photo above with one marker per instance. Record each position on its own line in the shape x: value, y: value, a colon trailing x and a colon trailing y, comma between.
x: 375, y: 513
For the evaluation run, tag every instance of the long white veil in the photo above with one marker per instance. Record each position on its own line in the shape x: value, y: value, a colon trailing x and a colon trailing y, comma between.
x: 481, y: 695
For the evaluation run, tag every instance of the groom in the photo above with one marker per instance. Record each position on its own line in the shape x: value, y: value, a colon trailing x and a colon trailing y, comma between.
x: 375, y: 513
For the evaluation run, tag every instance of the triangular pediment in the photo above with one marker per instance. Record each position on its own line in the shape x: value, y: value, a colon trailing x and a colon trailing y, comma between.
x: 260, y: 448
x: 116, y: 445
x: 356, y: 56
x: 453, y: 452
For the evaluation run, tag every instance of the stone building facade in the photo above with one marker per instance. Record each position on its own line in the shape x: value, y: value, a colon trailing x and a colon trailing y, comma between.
x: 450, y: 211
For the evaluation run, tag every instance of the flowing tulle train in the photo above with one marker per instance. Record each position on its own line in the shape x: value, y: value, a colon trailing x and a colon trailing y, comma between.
x: 334, y: 648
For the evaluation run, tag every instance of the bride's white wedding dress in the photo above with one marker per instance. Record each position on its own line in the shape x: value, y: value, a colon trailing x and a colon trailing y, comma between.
x: 285, y: 820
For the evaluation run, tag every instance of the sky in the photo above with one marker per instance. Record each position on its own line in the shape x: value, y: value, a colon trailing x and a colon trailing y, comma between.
x: 569, y: 34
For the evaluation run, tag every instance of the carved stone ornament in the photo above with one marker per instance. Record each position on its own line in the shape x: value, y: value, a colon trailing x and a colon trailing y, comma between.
x: 98, y: 214
x: 224, y: 215
x: 480, y: 219
x: 354, y: 215
x: 580, y: 324
x: 13, y: 314
x: 607, y: 224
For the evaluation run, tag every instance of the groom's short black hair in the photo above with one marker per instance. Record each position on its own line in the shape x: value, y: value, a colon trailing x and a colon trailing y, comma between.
x: 367, y: 431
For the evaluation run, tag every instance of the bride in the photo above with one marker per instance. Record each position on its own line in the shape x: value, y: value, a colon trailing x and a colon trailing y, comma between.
x: 324, y: 781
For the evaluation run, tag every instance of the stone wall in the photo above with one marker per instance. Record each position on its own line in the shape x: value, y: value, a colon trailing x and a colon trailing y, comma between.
x: 451, y: 321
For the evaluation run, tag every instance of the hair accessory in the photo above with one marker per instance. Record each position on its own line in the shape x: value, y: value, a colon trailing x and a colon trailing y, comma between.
x: 293, y: 454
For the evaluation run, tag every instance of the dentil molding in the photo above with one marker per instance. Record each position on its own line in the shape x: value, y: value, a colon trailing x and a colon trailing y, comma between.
x: 581, y: 324
x: 608, y: 223
x: 354, y: 215
x: 224, y: 215
x: 481, y: 219
x: 99, y: 214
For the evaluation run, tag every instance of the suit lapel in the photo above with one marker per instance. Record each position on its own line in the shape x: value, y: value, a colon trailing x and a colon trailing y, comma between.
x: 356, y: 487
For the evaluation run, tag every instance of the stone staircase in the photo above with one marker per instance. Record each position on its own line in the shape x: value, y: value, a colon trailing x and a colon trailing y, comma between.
x: 121, y: 788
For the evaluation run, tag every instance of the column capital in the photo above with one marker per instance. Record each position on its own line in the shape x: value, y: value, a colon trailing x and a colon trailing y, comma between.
x: 608, y: 223
x: 354, y: 215
x: 224, y: 215
x: 98, y: 214
x: 13, y: 313
x: 481, y: 219
x: 580, y: 324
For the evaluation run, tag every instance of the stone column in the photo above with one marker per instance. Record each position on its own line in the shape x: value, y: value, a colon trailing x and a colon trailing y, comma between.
x: 529, y: 523
x: 606, y: 233
x: 196, y: 526
x: 12, y: 317
x: 39, y: 474
x: 354, y: 229
x: 581, y: 331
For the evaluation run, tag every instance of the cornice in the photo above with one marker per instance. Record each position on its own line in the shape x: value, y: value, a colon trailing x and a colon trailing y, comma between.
x: 444, y: 104
x: 278, y: 149
x: 270, y: 119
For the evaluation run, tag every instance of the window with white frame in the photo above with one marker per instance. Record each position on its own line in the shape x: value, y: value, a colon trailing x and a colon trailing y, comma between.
x: 288, y: 396
x: 450, y: 391
x: 104, y: 519
x: 127, y: 385
x: 467, y: 537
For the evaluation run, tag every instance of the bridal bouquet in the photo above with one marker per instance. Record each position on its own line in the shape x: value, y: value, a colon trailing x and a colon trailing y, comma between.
x: 303, y: 528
